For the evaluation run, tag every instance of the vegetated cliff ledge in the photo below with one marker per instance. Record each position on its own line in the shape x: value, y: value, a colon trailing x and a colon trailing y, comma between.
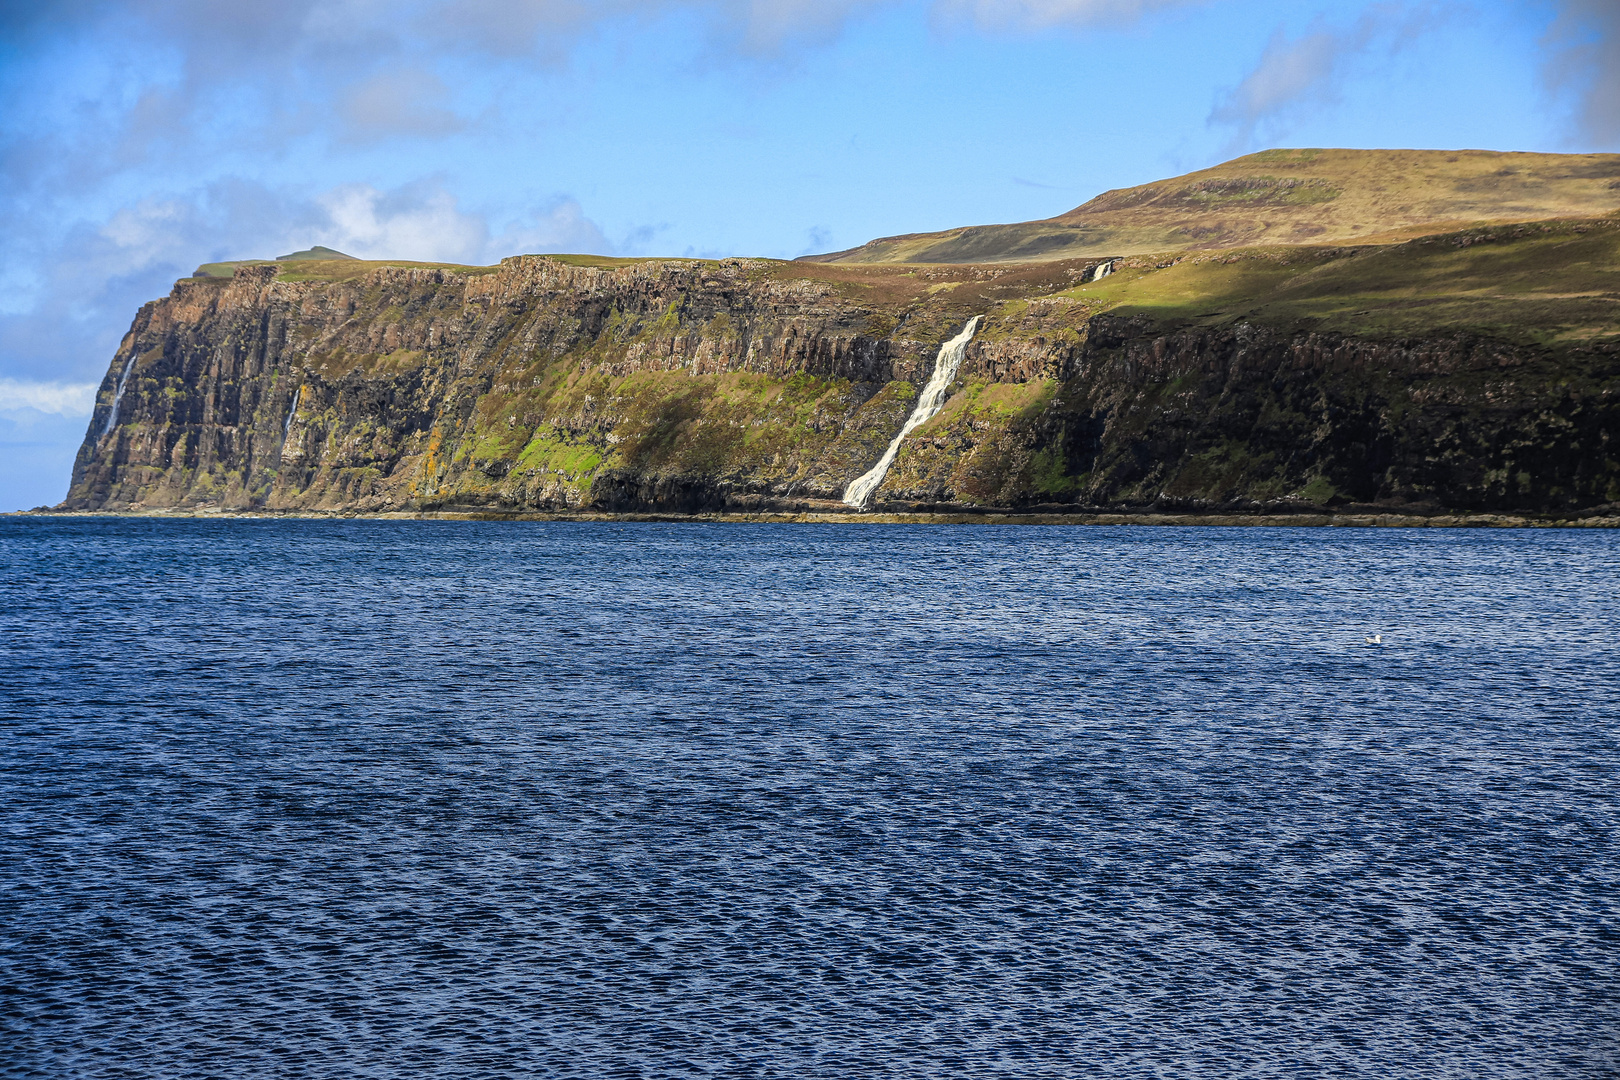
x: 1475, y: 372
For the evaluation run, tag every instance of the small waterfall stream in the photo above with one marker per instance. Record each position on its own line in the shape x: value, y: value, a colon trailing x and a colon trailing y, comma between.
x: 118, y: 395
x: 286, y: 428
x: 1101, y: 270
x: 929, y: 402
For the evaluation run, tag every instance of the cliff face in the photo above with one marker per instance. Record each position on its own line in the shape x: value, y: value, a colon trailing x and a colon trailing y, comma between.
x: 682, y: 385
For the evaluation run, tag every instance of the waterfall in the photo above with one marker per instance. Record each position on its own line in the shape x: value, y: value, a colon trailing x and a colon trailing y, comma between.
x: 1102, y: 270
x: 118, y: 395
x: 929, y: 402
x: 286, y: 428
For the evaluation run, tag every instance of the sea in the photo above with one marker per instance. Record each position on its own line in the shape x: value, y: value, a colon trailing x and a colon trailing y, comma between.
x: 456, y: 799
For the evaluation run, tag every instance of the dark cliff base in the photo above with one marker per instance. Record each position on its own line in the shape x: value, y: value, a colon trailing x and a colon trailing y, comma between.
x: 1449, y: 378
x: 1345, y: 517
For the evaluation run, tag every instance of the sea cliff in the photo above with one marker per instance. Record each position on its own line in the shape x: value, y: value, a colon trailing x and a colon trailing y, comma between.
x: 1256, y: 381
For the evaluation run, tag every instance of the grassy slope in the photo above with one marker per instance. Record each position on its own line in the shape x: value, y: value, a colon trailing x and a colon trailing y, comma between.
x: 1534, y: 430
x: 1537, y: 282
x: 1287, y: 197
x: 1541, y: 283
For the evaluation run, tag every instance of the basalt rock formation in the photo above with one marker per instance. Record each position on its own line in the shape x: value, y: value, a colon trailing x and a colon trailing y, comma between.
x: 1473, y: 371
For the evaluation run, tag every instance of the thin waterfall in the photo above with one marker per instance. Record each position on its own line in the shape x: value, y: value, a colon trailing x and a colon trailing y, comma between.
x: 932, y: 399
x: 118, y: 395
x: 286, y: 428
x: 1101, y: 270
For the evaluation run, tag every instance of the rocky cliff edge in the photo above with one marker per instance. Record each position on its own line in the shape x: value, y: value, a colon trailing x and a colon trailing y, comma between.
x: 1476, y: 371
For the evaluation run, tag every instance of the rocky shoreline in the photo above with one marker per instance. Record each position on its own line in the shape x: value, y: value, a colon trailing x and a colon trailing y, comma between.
x: 1364, y: 520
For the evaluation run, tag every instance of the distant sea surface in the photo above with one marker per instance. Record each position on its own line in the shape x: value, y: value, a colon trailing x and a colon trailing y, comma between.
x: 366, y: 799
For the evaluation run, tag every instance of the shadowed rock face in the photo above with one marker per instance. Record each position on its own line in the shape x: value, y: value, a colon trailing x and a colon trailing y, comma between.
x: 686, y: 386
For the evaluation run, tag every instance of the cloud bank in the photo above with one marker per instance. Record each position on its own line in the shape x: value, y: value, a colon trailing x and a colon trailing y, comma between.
x: 1296, y: 75
x: 63, y: 399
x: 1044, y: 14
x: 126, y: 161
x: 1585, y: 56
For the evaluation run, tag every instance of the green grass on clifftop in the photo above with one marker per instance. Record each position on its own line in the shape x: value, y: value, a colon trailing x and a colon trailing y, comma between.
x: 1554, y: 282
x: 306, y: 269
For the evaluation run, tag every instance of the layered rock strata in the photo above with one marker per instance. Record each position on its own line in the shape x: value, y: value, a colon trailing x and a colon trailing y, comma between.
x: 676, y: 385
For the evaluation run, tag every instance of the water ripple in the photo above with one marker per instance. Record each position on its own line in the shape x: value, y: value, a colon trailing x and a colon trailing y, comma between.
x: 368, y: 799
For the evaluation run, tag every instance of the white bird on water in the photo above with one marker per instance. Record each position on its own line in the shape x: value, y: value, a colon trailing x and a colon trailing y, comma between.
x: 1375, y: 639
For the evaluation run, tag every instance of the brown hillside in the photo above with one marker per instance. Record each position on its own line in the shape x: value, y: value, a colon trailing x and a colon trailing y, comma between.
x: 1285, y: 197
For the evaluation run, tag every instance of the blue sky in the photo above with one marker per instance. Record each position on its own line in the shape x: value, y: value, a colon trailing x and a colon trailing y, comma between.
x: 139, y: 138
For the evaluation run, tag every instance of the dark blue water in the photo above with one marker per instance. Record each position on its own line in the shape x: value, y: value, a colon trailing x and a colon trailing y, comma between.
x: 340, y: 800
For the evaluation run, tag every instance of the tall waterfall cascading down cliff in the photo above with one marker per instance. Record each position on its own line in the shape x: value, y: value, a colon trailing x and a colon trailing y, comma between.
x: 929, y: 402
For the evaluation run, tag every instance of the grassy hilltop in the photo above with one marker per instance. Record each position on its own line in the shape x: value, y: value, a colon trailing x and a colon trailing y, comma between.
x: 1286, y: 197
x: 1548, y: 283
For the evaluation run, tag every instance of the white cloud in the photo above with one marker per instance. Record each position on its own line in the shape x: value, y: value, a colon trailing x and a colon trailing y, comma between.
x: 150, y: 231
x: 1585, y: 55
x: 172, y: 85
x: 542, y: 27
x: 1036, y: 14
x: 426, y: 224
x: 562, y: 227
x: 63, y: 399
x: 370, y: 224
x: 770, y: 25
x: 404, y: 102
x: 1298, y: 74
x: 515, y: 27
x: 1291, y: 72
